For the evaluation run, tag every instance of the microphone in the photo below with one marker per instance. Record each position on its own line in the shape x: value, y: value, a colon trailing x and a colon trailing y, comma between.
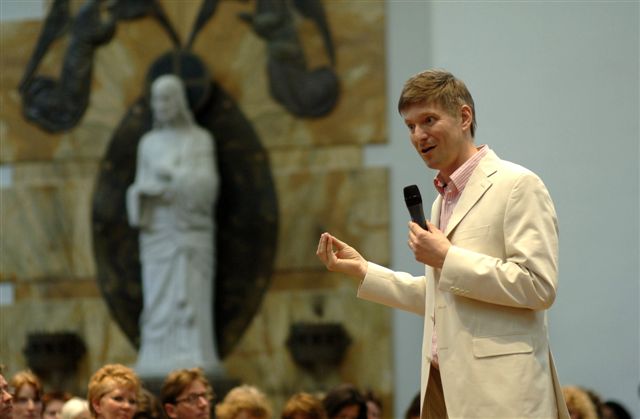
x: 414, y: 204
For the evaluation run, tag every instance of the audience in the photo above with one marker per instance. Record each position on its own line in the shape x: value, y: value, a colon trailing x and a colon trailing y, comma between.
x: 345, y: 401
x: 75, y: 408
x: 244, y: 402
x: 614, y: 410
x: 413, y: 411
x: 149, y: 406
x: 6, y: 398
x: 579, y: 403
x: 374, y: 405
x: 303, y: 406
x: 186, y: 394
x: 27, y: 397
x: 113, y: 392
x: 52, y: 403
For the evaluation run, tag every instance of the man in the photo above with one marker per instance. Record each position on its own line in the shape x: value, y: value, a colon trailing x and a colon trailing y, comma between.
x: 6, y: 399
x: 490, y: 255
x: 186, y: 394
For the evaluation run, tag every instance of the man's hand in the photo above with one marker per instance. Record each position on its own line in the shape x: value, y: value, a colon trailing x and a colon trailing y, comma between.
x: 345, y: 259
x: 429, y: 247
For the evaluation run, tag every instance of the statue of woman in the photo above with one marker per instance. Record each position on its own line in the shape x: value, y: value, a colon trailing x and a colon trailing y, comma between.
x: 172, y: 201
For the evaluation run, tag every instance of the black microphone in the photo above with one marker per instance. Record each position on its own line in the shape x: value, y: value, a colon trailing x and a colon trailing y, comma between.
x: 414, y: 204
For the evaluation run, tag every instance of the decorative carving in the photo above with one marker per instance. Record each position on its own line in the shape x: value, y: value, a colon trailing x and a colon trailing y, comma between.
x: 318, y: 345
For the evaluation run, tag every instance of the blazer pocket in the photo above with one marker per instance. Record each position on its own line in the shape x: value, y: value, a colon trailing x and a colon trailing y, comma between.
x: 470, y: 233
x: 502, y: 345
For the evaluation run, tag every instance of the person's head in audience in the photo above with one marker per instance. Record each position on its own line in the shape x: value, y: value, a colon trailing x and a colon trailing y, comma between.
x: 345, y: 401
x: 374, y: 405
x: 27, y: 396
x: 303, y: 406
x: 113, y: 392
x: 244, y: 402
x: 579, y: 403
x: 6, y: 398
x: 413, y: 410
x: 614, y: 410
x: 52, y: 403
x: 186, y: 394
x: 75, y: 408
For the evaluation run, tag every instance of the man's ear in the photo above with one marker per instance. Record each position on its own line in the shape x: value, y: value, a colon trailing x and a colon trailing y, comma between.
x: 466, y: 116
x: 171, y: 410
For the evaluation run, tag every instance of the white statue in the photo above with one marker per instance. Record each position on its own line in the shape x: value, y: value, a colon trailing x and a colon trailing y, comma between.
x: 171, y: 201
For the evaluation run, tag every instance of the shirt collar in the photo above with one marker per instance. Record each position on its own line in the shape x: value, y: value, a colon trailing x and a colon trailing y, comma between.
x: 459, y: 178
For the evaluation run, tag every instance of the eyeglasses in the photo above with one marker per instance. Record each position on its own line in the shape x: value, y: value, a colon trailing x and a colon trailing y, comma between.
x: 193, y: 398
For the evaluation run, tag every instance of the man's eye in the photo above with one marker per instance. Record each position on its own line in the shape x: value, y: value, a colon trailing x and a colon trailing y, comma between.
x: 411, y: 127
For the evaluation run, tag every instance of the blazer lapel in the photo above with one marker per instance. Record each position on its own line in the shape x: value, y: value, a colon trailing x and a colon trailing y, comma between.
x: 478, y: 184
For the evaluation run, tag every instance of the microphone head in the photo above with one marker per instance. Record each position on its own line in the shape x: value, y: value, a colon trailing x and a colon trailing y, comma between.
x: 412, y: 195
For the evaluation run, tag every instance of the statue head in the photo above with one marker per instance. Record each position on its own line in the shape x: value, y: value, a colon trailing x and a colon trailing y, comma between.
x: 169, y: 102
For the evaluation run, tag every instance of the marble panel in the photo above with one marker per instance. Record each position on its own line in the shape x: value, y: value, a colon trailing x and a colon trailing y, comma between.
x: 351, y: 204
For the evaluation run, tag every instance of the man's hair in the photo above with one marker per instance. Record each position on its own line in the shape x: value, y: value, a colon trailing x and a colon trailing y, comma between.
x: 107, y: 379
x: 178, y: 380
x: 438, y: 87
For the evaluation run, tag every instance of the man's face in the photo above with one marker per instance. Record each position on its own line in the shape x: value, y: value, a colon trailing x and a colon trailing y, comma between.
x: 193, y: 403
x: 441, y: 139
x: 6, y: 400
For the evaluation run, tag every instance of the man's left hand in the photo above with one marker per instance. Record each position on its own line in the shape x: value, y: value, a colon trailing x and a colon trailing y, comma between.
x: 429, y: 247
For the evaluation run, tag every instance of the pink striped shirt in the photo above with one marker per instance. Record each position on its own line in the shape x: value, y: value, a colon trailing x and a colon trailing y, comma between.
x: 450, y: 193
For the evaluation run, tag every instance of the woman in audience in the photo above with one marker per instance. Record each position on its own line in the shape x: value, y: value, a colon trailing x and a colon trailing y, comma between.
x: 303, y: 406
x: 345, y: 402
x: 75, y: 408
x: 374, y: 405
x: 113, y: 392
x: 579, y: 403
x: 52, y: 403
x: 244, y: 402
x: 27, y: 399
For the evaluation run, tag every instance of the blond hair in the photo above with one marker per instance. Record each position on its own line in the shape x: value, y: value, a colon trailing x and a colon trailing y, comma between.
x: 438, y: 87
x: 244, y: 398
x: 27, y: 377
x: 304, y: 404
x: 108, y: 378
x: 578, y: 401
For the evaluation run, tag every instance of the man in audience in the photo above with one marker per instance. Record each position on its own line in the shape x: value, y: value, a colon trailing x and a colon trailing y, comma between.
x: 186, y: 394
x: 6, y: 399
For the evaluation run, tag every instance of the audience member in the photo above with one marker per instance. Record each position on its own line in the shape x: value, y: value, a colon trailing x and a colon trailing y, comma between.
x: 579, y: 403
x: 244, y: 402
x: 27, y: 401
x: 303, y: 406
x: 614, y: 410
x: 52, y: 403
x: 374, y: 405
x: 113, y: 392
x: 149, y: 406
x: 186, y: 394
x: 75, y: 408
x: 6, y: 398
x: 345, y: 402
x: 413, y: 411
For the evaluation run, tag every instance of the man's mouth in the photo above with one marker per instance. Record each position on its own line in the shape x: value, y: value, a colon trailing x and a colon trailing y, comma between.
x: 426, y: 149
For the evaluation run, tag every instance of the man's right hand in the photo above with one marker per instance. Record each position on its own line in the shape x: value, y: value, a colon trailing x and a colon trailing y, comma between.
x: 344, y: 259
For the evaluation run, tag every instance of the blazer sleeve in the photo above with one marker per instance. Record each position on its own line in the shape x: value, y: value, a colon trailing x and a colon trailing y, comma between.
x: 394, y: 289
x: 526, y: 277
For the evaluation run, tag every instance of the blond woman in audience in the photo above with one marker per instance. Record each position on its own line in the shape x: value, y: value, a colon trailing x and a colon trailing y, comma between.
x: 27, y: 398
x: 75, y: 408
x: 579, y: 403
x: 113, y: 392
x: 303, y: 406
x: 244, y: 402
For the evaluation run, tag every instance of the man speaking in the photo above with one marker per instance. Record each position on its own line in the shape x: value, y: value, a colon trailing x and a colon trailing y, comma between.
x: 491, y: 264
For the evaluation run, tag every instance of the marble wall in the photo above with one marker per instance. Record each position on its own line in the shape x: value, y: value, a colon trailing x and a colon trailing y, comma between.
x: 48, y: 180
